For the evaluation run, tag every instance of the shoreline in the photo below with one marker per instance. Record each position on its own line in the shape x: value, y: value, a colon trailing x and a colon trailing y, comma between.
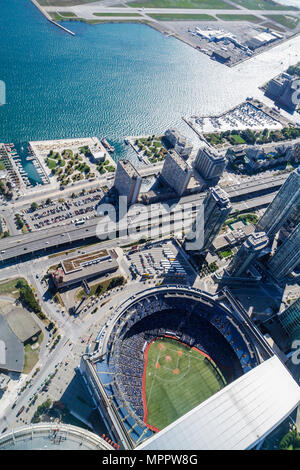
x: 48, y: 17
x: 158, y: 26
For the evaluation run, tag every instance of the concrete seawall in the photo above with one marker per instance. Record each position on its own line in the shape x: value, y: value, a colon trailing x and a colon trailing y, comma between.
x: 48, y: 17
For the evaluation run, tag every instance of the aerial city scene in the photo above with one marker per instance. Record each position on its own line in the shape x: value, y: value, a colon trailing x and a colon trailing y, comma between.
x: 149, y: 225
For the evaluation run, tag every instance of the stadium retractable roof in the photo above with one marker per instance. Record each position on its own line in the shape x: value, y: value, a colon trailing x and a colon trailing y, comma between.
x: 238, y: 416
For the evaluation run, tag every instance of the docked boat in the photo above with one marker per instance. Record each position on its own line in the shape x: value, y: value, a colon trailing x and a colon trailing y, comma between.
x: 108, y: 147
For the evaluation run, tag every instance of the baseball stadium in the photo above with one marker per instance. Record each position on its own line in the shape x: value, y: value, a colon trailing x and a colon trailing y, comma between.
x: 164, y: 352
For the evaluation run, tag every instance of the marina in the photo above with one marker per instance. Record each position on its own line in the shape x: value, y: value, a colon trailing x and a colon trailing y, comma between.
x: 248, y: 115
x: 27, y: 166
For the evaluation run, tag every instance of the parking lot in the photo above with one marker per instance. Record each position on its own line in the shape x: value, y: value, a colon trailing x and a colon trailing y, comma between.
x: 162, y: 260
x: 63, y: 212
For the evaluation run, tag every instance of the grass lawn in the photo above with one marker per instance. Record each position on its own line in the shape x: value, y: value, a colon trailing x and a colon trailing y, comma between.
x: 226, y: 253
x: 9, y: 287
x: 251, y: 18
x: 98, y: 288
x: 117, y: 14
x: 51, y: 163
x: 63, y: 3
x: 263, y: 5
x: 178, y: 16
x: 177, y: 378
x: 205, y: 4
x: 237, y: 138
x: 285, y: 20
x: 31, y: 356
x: 67, y: 13
x: 2, y: 165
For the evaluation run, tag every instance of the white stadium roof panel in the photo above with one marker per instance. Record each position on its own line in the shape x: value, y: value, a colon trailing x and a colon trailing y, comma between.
x: 237, y: 416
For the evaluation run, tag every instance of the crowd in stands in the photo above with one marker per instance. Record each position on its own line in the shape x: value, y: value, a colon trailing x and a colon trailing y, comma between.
x: 196, y: 324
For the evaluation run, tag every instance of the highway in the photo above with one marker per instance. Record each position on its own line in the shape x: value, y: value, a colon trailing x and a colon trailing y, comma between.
x: 62, y: 236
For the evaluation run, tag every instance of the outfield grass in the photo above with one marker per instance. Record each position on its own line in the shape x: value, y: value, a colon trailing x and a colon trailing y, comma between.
x: 285, y: 20
x: 176, y: 379
x: 178, y: 16
x: 205, y: 4
x: 263, y: 5
x: 233, y: 17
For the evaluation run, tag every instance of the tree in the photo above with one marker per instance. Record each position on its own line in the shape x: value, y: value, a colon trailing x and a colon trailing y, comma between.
x: 21, y: 283
x: 48, y: 201
x: 291, y: 440
x: 34, y: 206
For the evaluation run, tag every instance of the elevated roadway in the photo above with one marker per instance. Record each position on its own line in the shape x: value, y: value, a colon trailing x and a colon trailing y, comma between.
x: 64, y: 236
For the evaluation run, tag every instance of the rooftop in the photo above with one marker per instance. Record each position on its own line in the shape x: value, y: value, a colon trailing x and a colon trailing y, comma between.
x: 220, y: 195
x: 22, y: 324
x: 257, y: 240
x: 76, y: 264
x: 11, y: 349
x: 178, y: 160
x: 129, y: 168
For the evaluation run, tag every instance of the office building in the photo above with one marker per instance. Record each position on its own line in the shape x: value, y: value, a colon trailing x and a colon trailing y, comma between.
x: 87, y: 266
x: 176, y: 172
x: 281, y: 89
x: 287, y: 256
x: 284, y: 327
x: 127, y: 181
x: 209, y: 220
x: 282, y: 206
x: 249, y: 252
x: 210, y: 164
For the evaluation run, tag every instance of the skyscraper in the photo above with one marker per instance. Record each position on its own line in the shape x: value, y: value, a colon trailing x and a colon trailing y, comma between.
x: 210, y: 164
x: 209, y: 220
x: 127, y: 181
x: 287, y: 256
x: 176, y: 172
x: 282, y: 206
x: 284, y: 327
x: 247, y: 253
x: 179, y: 143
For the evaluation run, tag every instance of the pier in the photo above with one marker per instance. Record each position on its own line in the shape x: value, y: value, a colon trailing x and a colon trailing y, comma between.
x: 46, y: 15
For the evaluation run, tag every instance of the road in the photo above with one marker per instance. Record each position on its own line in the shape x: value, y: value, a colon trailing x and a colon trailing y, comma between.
x: 71, y: 331
x: 61, y: 236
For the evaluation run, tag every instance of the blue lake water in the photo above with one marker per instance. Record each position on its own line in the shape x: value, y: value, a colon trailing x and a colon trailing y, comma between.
x: 111, y: 80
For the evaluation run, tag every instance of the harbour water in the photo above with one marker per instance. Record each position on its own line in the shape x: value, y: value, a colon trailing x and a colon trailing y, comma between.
x: 113, y: 80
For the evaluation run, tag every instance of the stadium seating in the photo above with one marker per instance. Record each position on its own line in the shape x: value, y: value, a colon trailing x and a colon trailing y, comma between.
x: 196, y: 324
